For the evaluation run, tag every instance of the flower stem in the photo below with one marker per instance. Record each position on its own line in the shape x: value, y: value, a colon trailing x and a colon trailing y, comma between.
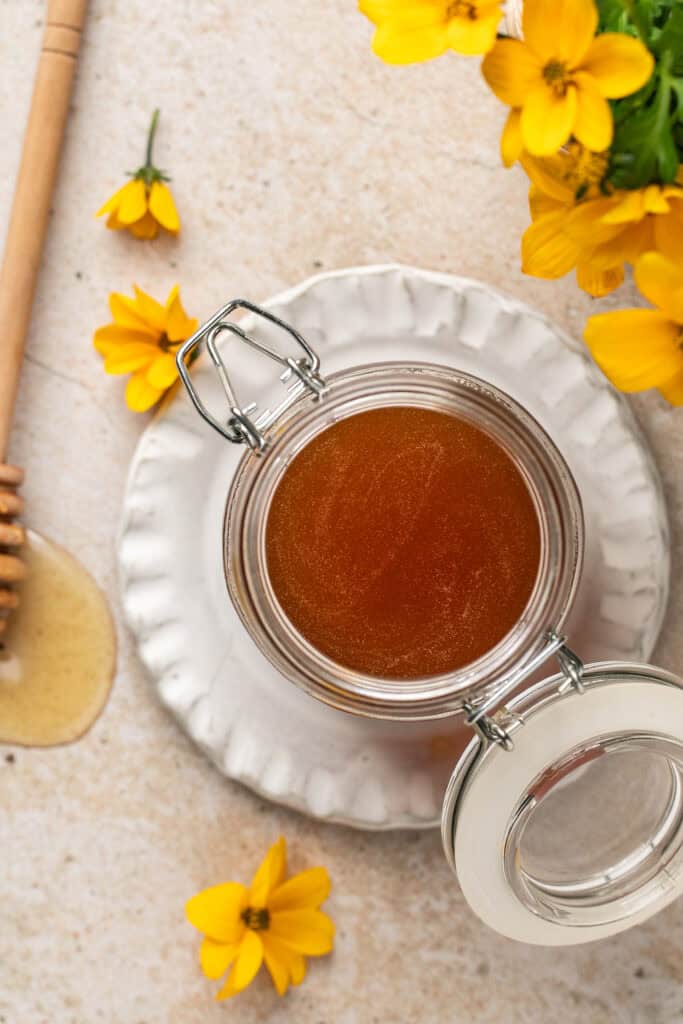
x: 631, y: 8
x: 150, y: 137
x: 663, y: 100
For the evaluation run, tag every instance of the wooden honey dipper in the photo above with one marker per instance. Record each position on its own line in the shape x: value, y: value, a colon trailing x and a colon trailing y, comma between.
x: 23, y: 250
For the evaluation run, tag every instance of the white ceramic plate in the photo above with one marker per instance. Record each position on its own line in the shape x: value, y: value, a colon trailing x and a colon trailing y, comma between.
x: 253, y: 724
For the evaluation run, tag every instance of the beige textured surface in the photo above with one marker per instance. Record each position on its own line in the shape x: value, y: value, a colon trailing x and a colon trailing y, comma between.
x: 291, y: 149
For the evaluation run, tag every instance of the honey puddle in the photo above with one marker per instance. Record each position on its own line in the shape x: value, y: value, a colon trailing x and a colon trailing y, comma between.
x: 60, y: 652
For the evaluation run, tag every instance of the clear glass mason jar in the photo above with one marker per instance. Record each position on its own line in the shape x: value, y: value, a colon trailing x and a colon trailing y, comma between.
x: 545, y: 472
x: 598, y: 748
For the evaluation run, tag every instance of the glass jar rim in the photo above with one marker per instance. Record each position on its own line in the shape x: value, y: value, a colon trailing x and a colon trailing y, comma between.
x: 424, y: 385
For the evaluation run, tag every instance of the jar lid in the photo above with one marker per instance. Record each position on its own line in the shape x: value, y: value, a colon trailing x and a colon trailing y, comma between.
x: 563, y: 818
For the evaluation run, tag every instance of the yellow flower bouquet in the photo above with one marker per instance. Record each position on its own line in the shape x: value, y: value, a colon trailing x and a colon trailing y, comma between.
x: 595, y: 97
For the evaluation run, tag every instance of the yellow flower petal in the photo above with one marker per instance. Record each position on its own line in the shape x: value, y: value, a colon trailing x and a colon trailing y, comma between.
x: 307, y: 889
x: 472, y: 36
x: 163, y: 372
x: 655, y: 199
x: 277, y: 967
x: 668, y: 233
x: 672, y: 389
x: 619, y: 63
x: 179, y: 325
x: 113, y: 335
x: 547, y: 251
x: 511, y: 144
x: 411, y: 14
x: 598, y: 283
x: 294, y: 963
x: 216, y: 957
x: 113, y: 223
x: 151, y: 311
x: 588, y: 223
x: 661, y: 282
x: 247, y: 964
x: 297, y: 968
x: 162, y: 207
x: 626, y: 247
x: 559, y: 31
x: 377, y: 10
x: 305, y: 931
x: 126, y: 313
x: 635, y: 204
x: 548, y: 173
x: 511, y: 70
x: 636, y: 348
x: 548, y: 119
x: 130, y: 357
x: 145, y: 228
x: 112, y: 204
x: 216, y: 911
x: 172, y: 297
x: 626, y: 208
x: 270, y: 874
x: 140, y: 395
x: 133, y: 204
x: 593, y: 125
x: 397, y: 43
x: 487, y: 8
x: 540, y: 203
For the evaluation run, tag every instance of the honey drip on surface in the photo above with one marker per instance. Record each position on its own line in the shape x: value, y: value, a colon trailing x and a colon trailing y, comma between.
x: 402, y: 542
x: 60, y: 652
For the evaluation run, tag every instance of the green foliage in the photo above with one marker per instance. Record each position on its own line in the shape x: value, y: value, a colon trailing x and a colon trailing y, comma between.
x: 648, y: 135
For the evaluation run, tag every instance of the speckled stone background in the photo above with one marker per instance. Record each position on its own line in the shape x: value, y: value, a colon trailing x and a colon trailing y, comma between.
x: 292, y: 149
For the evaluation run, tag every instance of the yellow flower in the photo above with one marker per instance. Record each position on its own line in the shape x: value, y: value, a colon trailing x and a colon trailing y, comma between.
x: 145, y: 203
x: 640, y: 349
x: 143, y: 341
x: 415, y: 30
x: 595, y: 233
x: 560, y: 77
x: 623, y: 226
x: 142, y: 209
x: 274, y: 921
x: 547, y: 250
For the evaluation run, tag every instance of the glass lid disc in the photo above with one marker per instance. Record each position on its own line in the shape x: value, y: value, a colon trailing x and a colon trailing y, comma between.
x: 576, y: 832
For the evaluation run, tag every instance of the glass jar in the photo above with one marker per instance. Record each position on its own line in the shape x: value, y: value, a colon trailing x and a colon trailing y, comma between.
x: 596, y: 748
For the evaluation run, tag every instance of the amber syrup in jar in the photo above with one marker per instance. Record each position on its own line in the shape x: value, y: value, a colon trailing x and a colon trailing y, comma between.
x: 422, y: 542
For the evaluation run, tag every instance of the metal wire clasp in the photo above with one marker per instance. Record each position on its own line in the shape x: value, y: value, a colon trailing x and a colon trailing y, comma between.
x: 493, y: 727
x: 245, y: 425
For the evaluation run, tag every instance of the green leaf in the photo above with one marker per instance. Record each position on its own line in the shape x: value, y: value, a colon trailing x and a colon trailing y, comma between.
x: 671, y: 38
x: 648, y: 126
x: 645, y: 149
x: 667, y: 156
x: 612, y: 15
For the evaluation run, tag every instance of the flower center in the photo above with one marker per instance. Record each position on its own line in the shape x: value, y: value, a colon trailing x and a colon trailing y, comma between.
x: 165, y: 344
x: 585, y: 169
x: 461, y: 9
x: 555, y: 74
x: 256, y: 918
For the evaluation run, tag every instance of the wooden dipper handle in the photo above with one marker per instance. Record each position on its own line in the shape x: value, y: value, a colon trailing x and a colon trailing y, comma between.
x: 33, y: 194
